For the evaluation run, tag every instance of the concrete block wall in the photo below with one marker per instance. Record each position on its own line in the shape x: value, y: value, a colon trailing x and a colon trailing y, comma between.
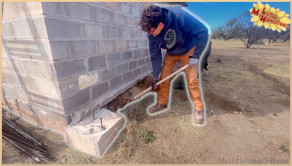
x: 61, y: 60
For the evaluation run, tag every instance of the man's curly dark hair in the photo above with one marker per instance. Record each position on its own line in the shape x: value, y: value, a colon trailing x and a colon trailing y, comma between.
x: 151, y: 17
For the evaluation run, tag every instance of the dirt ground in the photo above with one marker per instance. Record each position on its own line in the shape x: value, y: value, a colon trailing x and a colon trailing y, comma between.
x: 247, y: 94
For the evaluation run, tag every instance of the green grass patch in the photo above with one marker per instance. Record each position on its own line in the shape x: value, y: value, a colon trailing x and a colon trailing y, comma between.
x: 147, y: 136
x: 283, y: 148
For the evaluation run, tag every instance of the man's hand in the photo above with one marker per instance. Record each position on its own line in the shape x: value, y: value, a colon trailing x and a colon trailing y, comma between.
x: 193, y: 61
x: 154, y: 86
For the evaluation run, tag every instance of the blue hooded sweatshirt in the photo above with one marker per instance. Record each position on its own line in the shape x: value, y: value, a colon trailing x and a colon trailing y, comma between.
x: 181, y: 32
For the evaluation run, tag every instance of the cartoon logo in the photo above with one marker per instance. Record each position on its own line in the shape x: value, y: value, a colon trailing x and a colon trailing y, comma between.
x: 269, y: 17
x: 170, y: 38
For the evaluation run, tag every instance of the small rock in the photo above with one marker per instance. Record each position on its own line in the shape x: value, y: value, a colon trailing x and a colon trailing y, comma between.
x: 275, y: 114
x: 216, y: 116
x: 251, y: 120
x: 259, y: 130
x: 238, y: 130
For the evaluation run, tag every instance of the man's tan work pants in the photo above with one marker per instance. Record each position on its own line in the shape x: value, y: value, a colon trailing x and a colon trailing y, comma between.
x: 192, y: 79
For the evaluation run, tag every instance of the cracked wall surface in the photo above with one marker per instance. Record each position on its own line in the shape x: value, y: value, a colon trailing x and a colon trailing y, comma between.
x: 62, y: 60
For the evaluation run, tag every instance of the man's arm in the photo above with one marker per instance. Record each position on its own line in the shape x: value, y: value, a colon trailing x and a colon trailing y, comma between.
x: 156, y: 57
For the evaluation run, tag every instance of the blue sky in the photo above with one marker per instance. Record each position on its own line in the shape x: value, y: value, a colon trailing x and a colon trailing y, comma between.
x: 217, y: 13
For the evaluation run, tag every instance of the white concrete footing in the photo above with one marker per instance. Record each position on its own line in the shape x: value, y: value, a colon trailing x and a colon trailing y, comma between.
x: 88, y: 136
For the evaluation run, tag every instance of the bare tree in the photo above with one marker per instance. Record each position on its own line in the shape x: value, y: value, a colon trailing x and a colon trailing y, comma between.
x: 286, y: 36
x: 226, y: 31
x: 247, y: 31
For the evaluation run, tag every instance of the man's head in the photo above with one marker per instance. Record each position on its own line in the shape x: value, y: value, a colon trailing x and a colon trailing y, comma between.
x: 152, y: 20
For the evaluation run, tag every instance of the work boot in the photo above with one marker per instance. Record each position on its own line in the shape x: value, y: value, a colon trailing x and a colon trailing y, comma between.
x: 157, y: 108
x: 198, y: 117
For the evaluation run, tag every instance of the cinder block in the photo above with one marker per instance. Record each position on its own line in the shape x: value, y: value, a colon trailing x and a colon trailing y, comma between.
x: 141, y: 62
x: 10, y: 10
x: 112, y: 5
x: 132, y: 44
x: 134, y: 33
x: 150, y: 67
x: 88, y: 137
x: 60, y: 50
x: 139, y: 32
x: 47, y: 87
x: 116, y: 82
x: 4, y: 53
x: 29, y: 8
x: 83, y: 48
x: 97, y: 62
x: 8, y: 91
x: 145, y: 52
x: 106, y: 74
x: 69, y: 68
x: 119, y: 19
x: 140, y: 44
x: 132, y: 22
x: 143, y: 4
x: 87, y: 80
x: 146, y: 44
x: 68, y: 86
x: 144, y: 69
x: 93, y: 31
x: 21, y: 28
x: 63, y: 29
x: 135, y: 11
x: 11, y: 78
x: 105, y: 47
x: 29, y: 49
x: 114, y: 58
x: 127, y: 55
x: 38, y: 68
x: 77, y: 100
x: 127, y: 77
x: 14, y: 65
x: 30, y: 83
x: 112, y: 32
x: 99, y: 90
x: 79, y: 10
x: 121, y: 45
x: 125, y: 8
x: 53, y: 8
x: 29, y: 27
x: 39, y: 27
x: 126, y: 33
x: 136, y: 73
x: 7, y: 30
x: 147, y: 60
x: 132, y: 65
x: 50, y: 118
x: 47, y: 102
x: 21, y: 94
x: 122, y: 68
x: 4, y: 64
x: 138, y: 54
x: 103, y: 15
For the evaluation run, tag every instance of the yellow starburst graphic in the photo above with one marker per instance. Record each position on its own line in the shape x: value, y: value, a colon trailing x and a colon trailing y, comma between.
x: 269, y: 17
